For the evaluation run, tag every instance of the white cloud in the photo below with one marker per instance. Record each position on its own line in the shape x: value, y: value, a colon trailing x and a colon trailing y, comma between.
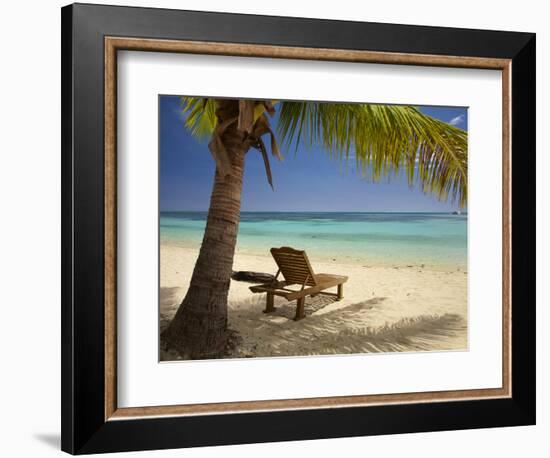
x: 457, y: 120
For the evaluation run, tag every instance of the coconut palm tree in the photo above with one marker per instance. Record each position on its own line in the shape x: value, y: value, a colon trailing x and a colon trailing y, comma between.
x: 382, y: 138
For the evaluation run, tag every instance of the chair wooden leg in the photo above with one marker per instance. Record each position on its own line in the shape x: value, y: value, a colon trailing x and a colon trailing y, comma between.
x: 340, y: 292
x: 269, y: 307
x: 300, y: 309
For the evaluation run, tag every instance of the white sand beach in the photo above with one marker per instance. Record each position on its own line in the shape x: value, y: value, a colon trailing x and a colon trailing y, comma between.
x: 385, y: 308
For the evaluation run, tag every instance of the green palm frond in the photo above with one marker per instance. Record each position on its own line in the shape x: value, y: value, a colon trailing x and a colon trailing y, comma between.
x: 201, y: 115
x: 383, y: 139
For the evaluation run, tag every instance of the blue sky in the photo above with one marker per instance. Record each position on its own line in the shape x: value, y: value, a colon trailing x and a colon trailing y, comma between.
x: 307, y: 180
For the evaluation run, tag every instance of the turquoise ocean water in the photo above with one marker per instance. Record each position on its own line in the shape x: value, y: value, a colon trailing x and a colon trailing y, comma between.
x: 432, y: 239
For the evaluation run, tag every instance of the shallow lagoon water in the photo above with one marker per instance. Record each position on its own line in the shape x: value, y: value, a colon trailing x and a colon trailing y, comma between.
x: 371, y: 238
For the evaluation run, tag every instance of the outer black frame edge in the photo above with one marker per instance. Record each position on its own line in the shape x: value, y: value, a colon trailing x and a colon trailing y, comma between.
x: 67, y: 414
x: 305, y: 32
x: 177, y: 432
x: 524, y: 228
x: 83, y: 427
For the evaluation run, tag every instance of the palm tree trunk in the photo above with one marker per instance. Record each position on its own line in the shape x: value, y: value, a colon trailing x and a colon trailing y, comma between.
x: 199, y: 328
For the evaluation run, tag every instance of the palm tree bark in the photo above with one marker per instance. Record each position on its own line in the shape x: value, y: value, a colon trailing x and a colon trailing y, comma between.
x: 199, y: 328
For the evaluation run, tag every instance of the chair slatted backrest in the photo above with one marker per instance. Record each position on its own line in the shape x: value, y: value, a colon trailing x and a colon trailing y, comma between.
x: 294, y: 266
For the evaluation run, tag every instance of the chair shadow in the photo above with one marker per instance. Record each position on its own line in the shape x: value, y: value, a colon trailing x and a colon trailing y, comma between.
x: 52, y: 440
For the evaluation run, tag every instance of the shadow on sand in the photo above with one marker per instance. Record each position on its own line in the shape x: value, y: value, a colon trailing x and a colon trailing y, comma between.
x: 343, y: 331
x: 340, y: 331
x: 169, y: 302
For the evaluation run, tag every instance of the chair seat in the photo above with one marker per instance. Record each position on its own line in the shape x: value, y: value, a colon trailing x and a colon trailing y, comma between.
x: 321, y: 278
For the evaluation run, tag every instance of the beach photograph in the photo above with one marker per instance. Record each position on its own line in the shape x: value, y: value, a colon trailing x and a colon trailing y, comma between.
x: 304, y: 228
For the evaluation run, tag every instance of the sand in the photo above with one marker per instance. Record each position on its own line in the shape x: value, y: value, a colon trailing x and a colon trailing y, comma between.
x: 385, y: 308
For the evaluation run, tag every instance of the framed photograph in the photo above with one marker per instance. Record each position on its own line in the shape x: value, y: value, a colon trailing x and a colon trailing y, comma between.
x: 281, y: 229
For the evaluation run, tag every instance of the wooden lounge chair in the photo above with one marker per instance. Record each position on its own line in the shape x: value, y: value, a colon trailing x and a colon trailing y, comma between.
x: 296, y: 271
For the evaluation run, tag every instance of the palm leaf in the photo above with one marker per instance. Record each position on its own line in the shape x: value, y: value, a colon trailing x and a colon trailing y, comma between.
x: 201, y: 115
x: 265, y: 157
x: 384, y: 139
